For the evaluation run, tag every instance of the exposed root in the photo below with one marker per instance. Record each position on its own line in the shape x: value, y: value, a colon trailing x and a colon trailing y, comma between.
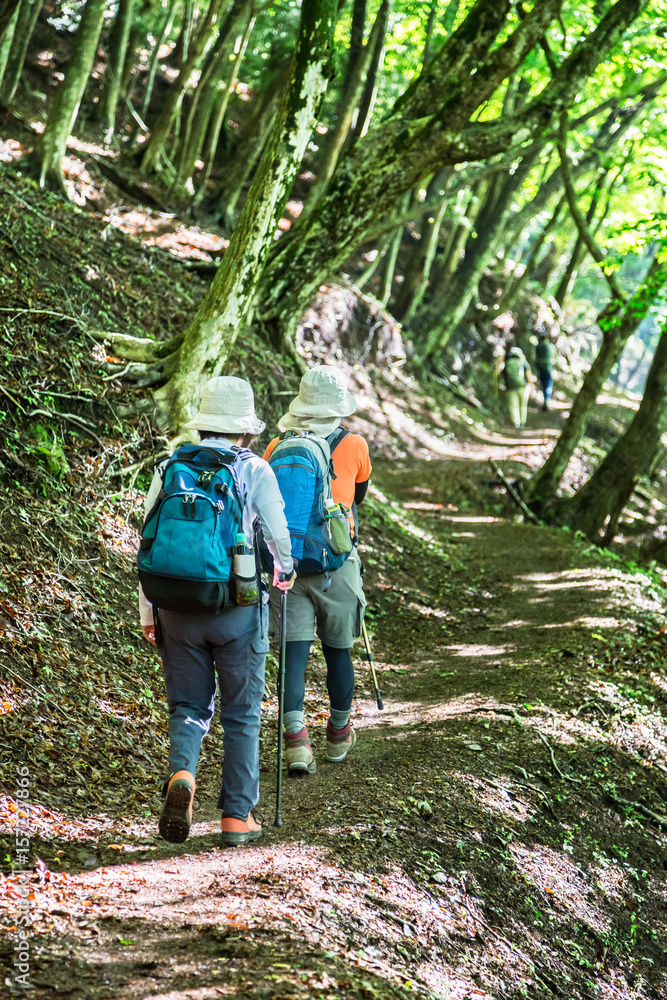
x: 660, y: 821
x: 141, y: 349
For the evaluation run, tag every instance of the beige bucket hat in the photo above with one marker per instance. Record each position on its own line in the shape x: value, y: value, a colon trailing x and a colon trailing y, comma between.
x: 322, y: 395
x: 227, y: 405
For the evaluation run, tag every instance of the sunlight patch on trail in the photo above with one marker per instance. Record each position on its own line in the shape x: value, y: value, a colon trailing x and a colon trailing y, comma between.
x: 474, y: 650
x: 564, y: 882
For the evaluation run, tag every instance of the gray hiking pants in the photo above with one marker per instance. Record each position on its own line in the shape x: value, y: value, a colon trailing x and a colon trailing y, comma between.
x: 194, y: 648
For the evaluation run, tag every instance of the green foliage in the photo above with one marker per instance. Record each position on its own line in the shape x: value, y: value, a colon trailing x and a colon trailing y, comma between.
x: 48, y: 448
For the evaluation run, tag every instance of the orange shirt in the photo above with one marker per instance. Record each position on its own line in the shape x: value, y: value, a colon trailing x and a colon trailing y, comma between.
x: 352, y: 464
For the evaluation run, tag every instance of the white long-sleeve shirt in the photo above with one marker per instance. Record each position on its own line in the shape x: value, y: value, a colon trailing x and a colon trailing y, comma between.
x: 263, y: 501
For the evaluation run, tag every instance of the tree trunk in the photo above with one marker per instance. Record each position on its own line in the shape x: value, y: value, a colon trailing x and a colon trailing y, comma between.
x: 579, y: 251
x: 616, y: 329
x: 218, y: 116
x: 358, y: 66
x: 390, y: 261
x: 428, y: 33
x: 6, y: 44
x: 161, y: 128
x: 228, y: 305
x: 50, y: 148
x: 420, y: 249
x: 450, y: 15
x: 113, y: 77
x: 380, y: 252
x: 515, y: 285
x: 184, y: 40
x: 374, y: 68
x: 163, y: 33
x: 430, y: 248
x: 602, y: 499
x: 545, y: 267
x: 447, y: 313
x: 225, y: 199
x: 457, y: 239
x: 25, y: 25
x: 205, y: 95
x: 8, y: 10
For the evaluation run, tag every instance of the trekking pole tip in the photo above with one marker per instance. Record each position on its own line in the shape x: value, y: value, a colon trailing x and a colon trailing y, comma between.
x: 379, y: 701
x: 278, y: 821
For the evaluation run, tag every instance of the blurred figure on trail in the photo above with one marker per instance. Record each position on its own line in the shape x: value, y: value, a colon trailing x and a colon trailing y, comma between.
x: 517, y: 375
x: 545, y: 358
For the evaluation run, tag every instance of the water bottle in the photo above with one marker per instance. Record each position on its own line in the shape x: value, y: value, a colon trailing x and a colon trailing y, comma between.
x: 337, y: 526
x: 245, y: 572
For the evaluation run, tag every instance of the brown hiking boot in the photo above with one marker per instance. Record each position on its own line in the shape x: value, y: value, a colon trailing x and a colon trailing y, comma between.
x: 235, y: 831
x: 298, y: 754
x: 339, y: 742
x: 176, y: 817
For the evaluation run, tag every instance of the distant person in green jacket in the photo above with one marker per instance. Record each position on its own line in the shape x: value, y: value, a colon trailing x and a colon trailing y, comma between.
x: 545, y: 358
x: 516, y: 374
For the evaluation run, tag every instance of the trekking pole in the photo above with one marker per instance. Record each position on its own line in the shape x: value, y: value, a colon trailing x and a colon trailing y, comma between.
x: 370, y: 664
x: 281, y: 700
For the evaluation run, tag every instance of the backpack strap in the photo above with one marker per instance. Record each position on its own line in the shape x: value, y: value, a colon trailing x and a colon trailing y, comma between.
x: 334, y: 440
x: 336, y: 437
x: 309, y: 436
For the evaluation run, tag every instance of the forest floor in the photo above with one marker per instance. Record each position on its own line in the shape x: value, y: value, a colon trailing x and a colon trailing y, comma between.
x: 478, y: 842
x: 499, y: 830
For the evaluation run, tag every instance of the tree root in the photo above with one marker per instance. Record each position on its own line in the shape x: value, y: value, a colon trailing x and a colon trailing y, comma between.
x: 525, y: 510
x: 71, y: 418
x: 141, y: 349
x: 660, y: 821
x: 553, y: 761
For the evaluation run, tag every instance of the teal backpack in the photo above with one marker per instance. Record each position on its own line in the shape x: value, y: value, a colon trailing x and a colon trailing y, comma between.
x: 544, y: 354
x: 185, y: 555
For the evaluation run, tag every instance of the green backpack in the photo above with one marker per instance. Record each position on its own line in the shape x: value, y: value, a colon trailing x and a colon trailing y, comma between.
x: 515, y: 373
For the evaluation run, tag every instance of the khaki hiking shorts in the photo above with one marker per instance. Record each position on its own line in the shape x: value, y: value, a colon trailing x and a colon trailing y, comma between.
x: 334, y: 616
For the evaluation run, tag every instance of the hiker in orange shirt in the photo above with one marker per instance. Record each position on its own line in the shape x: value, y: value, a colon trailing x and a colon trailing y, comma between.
x: 329, y: 604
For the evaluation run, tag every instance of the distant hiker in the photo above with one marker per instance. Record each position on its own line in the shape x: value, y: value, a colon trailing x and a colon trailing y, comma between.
x: 517, y: 375
x: 328, y: 598
x: 201, y: 501
x: 545, y: 358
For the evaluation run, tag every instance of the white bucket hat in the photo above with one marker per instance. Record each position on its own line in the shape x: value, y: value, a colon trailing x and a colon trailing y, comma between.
x: 227, y: 405
x: 322, y: 395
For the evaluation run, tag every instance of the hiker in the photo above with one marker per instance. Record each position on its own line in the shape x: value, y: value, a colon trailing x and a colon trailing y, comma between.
x: 517, y: 375
x: 229, y: 640
x: 327, y: 601
x: 545, y: 358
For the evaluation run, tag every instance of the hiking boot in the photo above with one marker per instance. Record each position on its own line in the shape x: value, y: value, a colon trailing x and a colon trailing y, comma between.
x: 176, y: 817
x: 339, y: 742
x: 235, y: 831
x: 298, y: 754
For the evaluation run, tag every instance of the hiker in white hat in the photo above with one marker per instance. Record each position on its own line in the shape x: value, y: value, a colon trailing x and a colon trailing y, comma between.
x: 327, y: 599
x: 202, y: 628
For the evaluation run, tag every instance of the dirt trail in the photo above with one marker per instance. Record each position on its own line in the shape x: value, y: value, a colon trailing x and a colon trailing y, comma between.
x: 468, y: 847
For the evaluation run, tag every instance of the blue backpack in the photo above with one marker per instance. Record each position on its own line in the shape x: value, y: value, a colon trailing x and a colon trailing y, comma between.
x: 185, y: 555
x: 303, y: 467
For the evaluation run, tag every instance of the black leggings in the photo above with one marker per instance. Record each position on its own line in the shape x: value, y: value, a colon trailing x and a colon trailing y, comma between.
x: 340, y: 676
